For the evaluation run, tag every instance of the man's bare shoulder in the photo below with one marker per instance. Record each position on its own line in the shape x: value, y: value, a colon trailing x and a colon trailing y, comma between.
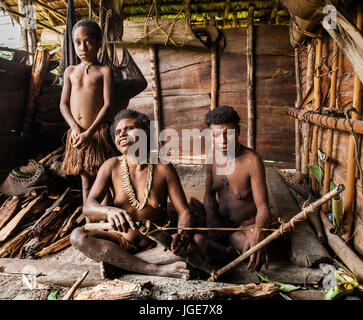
x: 69, y: 70
x: 110, y: 164
x: 165, y: 169
x: 249, y: 157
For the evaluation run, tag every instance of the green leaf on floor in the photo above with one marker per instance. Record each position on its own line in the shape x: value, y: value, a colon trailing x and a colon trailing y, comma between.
x: 283, y: 286
x: 53, y: 295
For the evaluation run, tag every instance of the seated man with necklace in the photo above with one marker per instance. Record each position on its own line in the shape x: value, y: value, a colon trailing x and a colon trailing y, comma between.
x: 239, y: 181
x: 139, y: 190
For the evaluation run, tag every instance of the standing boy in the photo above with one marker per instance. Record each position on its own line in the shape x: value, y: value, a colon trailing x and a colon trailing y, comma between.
x: 85, y: 105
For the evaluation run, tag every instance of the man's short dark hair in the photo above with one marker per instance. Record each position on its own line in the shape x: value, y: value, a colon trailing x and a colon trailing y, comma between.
x: 141, y: 120
x: 221, y: 115
x: 90, y: 24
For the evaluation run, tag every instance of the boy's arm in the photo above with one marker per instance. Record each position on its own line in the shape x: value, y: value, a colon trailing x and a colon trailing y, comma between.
x: 107, y: 101
x: 93, y: 208
x: 65, y: 101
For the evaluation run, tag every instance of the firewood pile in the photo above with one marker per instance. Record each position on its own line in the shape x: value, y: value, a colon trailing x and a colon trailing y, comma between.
x: 38, y: 220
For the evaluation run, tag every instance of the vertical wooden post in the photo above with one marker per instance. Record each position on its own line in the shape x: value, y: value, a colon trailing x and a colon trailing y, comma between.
x: 90, y: 9
x: 156, y: 90
x: 332, y: 104
x: 297, y: 122
x: 23, y: 30
x: 317, y: 104
x: 214, y: 76
x: 351, y: 164
x: 250, y: 82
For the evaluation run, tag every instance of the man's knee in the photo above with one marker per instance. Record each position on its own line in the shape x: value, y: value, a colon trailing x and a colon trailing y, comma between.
x: 200, y: 241
x: 78, y: 238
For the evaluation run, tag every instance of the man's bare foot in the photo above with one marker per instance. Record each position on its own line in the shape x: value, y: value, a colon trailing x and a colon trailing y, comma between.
x: 177, y: 269
x: 108, y: 271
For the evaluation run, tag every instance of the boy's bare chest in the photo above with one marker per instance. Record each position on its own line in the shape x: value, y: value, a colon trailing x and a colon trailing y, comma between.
x: 81, y: 79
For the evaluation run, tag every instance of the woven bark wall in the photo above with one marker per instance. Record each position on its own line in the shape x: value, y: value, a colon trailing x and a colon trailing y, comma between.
x: 345, y: 81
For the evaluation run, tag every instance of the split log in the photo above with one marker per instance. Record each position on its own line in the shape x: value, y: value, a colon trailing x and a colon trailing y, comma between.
x: 343, y: 251
x: 242, y: 292
x: 51, y: 208
x: 71, y: 292
x: 55, y: 247
x: 352, y: 156
x: 8, y: 208
x: 70, y: 222
x: 6, y: 231
x: 305, y: 247
x: 286, y: 227
x: 9, y: 246
x: 111, y: 290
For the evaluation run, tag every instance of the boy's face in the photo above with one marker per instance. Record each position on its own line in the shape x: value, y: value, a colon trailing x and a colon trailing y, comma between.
x: 85, y: 44
x: 223, y: 135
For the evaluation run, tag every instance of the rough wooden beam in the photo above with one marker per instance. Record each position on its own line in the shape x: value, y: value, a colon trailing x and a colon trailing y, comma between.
x: 250, y: 82
x: 297, y: 122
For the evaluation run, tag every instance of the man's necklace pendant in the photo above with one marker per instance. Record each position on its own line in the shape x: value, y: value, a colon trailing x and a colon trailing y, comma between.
x: 126, y: 183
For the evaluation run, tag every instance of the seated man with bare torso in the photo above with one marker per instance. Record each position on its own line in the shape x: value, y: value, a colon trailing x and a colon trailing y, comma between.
x: 139, y: 190
x: 238, y: 179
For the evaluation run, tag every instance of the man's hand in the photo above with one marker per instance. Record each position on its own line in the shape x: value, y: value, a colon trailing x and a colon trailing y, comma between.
x: 215, y: 223
x: 181, y: 244
x: 120, y: 220
x: 260, y: 257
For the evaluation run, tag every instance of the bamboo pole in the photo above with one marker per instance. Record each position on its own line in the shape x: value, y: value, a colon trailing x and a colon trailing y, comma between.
x: 297, y: 122
x: 328, y: 122
x: 155, y: 76
x: 286, y: 227
x: 55, y: 13
x: 351, y: 163
x: 306, y: 127
x: 317, y: 104
x: 332, y: 103
x: 250, y: 82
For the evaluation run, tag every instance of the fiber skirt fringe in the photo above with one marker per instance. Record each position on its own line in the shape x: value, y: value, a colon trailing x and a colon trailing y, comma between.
x: 92, y: 157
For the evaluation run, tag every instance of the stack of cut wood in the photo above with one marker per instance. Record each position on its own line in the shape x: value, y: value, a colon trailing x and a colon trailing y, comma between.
x: 38, y: 224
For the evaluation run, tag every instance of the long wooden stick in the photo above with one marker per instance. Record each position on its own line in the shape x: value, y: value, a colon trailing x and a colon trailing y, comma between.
x: 329, y: 143
x: 351, y: 163
x: 70, y: 293
x: 250, y: 82
x: 300, y: 217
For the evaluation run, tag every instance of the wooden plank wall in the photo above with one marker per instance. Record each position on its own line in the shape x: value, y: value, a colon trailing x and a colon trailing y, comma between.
x: 341, y: 139
x: 185, y: 75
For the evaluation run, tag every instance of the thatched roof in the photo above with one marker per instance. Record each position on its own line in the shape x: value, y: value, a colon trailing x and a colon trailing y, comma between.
x: 225, y: 14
